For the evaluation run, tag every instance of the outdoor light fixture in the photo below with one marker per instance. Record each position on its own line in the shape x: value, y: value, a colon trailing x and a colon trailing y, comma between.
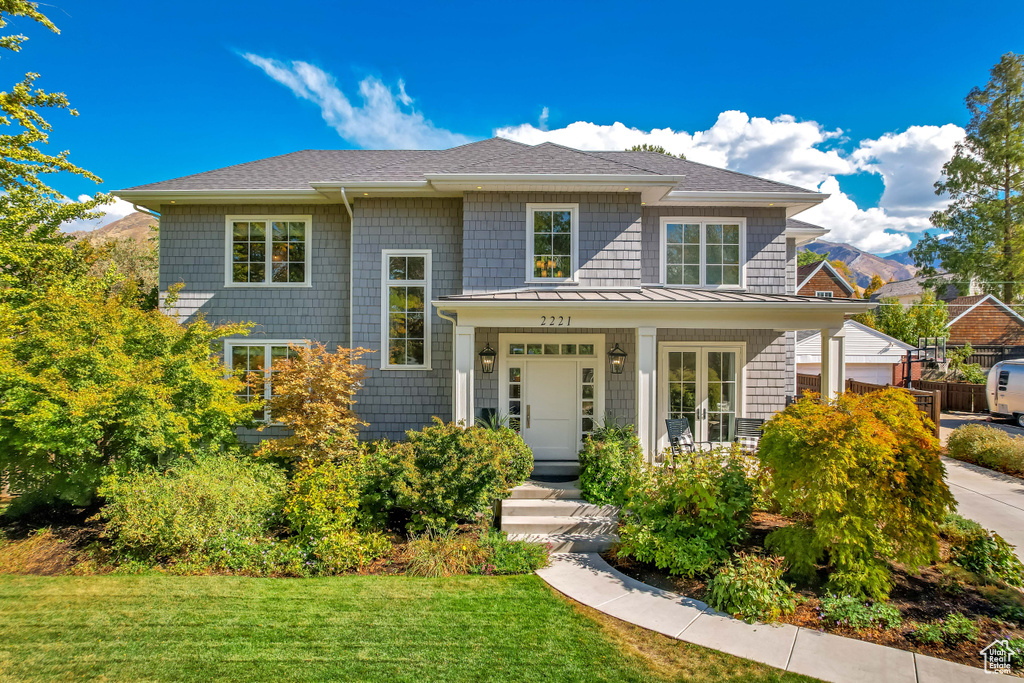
x: 487, y: 359
x: 617, y: 360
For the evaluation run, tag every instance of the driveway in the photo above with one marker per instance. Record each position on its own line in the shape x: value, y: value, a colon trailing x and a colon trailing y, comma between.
x: 993, y: 499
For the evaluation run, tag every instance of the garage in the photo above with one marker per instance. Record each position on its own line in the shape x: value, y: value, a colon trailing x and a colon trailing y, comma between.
x: 870, y: 354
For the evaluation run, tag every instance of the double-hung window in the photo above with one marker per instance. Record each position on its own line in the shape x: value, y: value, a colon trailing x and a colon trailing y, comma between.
x: 551, y: 236
x: 698, y: 252
x: 268, y: 251
x: 405, y: 318
x: 245, y: 359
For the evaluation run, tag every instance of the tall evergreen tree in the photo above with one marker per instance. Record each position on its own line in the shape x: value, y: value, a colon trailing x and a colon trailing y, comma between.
x: 985, y: 181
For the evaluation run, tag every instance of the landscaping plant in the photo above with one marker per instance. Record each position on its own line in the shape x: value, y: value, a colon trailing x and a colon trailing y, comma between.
x: 989, y: 447
x: 503, y: 556
x: 751, y: 587
x: 610, y: 463
x: 852, y: 611
x: 686, y: 519
x: 981, y: 551
x: 861, y: 475
x: 953, y: 630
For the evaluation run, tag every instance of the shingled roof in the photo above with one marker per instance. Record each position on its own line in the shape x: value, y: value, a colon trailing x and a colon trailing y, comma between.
x: 297, y: 170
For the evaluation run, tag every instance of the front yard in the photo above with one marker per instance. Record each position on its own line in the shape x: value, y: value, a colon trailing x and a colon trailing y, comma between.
x: 366, y: 628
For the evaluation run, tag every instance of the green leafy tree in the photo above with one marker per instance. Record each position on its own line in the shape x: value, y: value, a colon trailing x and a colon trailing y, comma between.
x: 874, y: 285
x: 807, y: 257
x: 128, y: 263
x: 645, y: 147
x: 92, y: 383
x: 926, y: 317
x: 984, y: 182
x: 962, y: 371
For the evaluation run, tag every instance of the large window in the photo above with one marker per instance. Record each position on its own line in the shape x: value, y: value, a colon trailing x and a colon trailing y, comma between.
x: 268, y: 251
x: 700, y: 252
x: 405, y: 319
x: 244, y: 358
x: 551, y: 242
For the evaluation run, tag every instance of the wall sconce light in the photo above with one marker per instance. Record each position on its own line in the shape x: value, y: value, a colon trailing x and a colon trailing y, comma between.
x: 487, y: 359
x: 617, y: 360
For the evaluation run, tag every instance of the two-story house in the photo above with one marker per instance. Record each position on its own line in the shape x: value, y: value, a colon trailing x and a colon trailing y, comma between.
x: 553, y: 286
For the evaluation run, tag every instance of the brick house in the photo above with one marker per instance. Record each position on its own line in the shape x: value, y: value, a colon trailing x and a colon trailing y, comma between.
x: 983, y: 320
x: 550, y: 285
x: 822, y: 280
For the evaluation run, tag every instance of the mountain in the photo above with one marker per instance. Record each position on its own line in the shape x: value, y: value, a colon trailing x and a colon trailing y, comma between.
x: 864, y: 265
x: 135, y: 225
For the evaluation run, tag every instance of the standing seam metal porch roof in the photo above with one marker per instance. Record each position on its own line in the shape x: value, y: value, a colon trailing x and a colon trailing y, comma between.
x: 667, y: 295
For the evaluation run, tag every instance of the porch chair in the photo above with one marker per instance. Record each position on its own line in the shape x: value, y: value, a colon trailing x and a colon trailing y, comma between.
x: 748, y: 432
x: 680, y: 438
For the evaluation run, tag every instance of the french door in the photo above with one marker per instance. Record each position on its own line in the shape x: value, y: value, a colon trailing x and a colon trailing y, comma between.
x: 702, y: 383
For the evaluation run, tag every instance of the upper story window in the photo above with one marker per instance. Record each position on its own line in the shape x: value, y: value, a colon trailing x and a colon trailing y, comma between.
x: 698, y: 252
x: 405, y: 320
x: 551, y: 236
x: 268, y: 251
x: 245, y: 358
x: 821, y: 294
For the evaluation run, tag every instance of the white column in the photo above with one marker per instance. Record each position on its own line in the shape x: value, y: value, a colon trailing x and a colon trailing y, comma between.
x: 833, y: 362
x: 647, y: 387
x: 465, y: 362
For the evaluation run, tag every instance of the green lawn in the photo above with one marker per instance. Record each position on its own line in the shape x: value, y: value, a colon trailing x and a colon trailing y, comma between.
x: 350, y: 628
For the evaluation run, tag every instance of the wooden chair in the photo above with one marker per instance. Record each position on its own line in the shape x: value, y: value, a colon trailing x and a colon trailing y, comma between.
x: 748, y: 432
x: 680, y: 438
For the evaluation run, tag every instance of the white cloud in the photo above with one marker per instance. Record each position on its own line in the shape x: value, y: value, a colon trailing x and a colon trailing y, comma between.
x: 385, y: 120
x: 802, y: 153
x: 114, y: 211
x: 542, y: 122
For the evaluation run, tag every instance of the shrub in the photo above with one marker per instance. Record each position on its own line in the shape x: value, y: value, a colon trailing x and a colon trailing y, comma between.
x: 610, y: 462
x: 989, y: 447
x: 91, y: 384
x: 213, y: 508
x: 685, y: 519
x: 983, y: 552
x: 314, y: 395
x: 751, y: 587
x: 443, y: 475
x: 442, y: 553
x: 503, y: 556
x: 862, y: 475
x: 322, y: 509
x: 849, y: 610
x: 953, y: 630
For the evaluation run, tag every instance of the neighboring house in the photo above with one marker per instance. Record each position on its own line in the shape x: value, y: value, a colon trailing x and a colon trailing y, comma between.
x: 983, y: 320
x: 909, y: 291
x: 626, y: 284
x: 871, y: 356
x: 822, y: 280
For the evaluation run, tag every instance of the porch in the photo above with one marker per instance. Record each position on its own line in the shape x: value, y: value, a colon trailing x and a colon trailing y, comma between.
x: 556, y: 363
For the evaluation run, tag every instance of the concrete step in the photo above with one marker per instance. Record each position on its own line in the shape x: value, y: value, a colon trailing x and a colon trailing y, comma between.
x: 556, y: 507
x: 571, y: 543
x: 533, y: 490
x: 559, y: 525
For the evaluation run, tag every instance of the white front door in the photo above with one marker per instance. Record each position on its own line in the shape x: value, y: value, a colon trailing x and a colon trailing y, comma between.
x: 549, y: 423
x: 702, y: 384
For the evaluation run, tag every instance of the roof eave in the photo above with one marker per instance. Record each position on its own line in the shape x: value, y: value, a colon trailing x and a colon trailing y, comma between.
x: 154, y: 198
x: 845, y: 306
x: 793, y: 202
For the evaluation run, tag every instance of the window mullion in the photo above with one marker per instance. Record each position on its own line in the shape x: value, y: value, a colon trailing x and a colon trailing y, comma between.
x: 268, y: 257
x: 703, y: 255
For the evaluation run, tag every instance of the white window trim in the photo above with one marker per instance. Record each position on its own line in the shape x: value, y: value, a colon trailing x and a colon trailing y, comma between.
x: 384, y: 282
x: 229, y: 344
x: 574, y: 213
x: 228, y: 250
x: 823, y: 294
x: 702, y: 220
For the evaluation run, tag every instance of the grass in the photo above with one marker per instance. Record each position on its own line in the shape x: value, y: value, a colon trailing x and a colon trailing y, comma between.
x: 367, y: 628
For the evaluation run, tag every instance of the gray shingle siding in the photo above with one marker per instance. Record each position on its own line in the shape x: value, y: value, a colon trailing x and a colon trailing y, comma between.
x: 766, y: 243
x: 494, y: 238
x: 393, y: 401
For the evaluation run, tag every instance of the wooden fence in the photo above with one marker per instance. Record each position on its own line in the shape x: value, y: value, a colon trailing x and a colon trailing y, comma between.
x: 987, y: 356
x: 959, y: 396
x: 928, y: 402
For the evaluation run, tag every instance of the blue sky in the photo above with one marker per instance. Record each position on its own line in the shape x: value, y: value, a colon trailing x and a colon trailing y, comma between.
x: 854, y: 98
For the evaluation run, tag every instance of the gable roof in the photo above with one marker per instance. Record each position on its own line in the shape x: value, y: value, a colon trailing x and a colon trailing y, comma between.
x: 806, y: 272
x: 961, y: 306
x: 303, y: 171
x: 863, y: 345
x: 914, y: 287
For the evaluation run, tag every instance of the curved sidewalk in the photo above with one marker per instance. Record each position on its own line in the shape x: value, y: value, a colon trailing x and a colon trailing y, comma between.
x: 587, y: 578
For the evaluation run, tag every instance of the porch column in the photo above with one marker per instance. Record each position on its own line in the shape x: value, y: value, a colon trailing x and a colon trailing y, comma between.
x: 647, y: 387
x: 465, y: 362
x: 833, y: 362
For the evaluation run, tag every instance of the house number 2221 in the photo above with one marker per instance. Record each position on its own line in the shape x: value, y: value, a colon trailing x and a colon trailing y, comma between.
x: 556, y: 320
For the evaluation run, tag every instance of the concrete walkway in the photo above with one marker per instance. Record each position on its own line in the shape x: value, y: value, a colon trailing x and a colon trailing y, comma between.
x: 587, y: 578
x: 992, y: 499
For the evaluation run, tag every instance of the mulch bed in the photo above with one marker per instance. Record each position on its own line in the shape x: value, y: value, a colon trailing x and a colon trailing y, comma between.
x: 923, y: 597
